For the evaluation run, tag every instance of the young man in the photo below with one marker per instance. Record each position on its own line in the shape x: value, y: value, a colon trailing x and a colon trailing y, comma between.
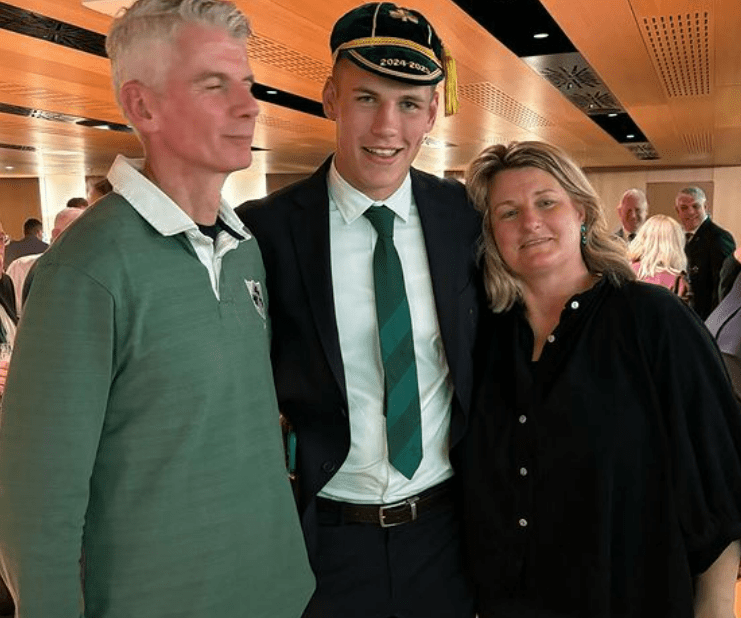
x: 140, y: 425
x: 707, y: 247
x: 373, y: 330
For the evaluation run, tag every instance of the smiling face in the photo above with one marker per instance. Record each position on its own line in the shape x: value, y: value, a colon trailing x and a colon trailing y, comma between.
x: 380, y: 126
x: 691, y: 211
x: 632, y: 212
x: 203, y: 114
x: 536, y: 224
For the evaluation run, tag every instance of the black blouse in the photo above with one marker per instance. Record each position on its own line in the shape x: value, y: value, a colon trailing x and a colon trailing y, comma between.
x: 602, y: 478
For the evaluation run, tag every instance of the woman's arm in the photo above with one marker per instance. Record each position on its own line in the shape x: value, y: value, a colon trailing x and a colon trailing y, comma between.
x: 715, y: 588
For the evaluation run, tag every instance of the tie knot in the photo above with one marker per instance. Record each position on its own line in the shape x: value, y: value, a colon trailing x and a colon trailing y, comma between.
x: 382, y: 219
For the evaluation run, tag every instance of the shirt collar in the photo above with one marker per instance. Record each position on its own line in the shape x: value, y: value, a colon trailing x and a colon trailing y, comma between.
x: 353, y: 203
x: 156, y: 207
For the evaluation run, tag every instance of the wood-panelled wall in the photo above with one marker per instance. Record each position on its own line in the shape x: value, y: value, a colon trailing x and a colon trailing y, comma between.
x: 20, y: 199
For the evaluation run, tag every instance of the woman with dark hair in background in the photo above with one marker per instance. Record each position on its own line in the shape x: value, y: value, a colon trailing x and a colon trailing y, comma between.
x: 602, y: 473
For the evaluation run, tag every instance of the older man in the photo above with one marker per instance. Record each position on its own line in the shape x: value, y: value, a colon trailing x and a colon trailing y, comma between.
x: 140, y: 425
x: 707, y: 247
x: 632, y: 211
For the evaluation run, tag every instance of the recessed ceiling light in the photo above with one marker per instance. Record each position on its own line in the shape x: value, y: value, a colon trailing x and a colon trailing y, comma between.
x: 9, y: 167
x: 629, y: 136
x: 271, y: 92
x: 541, y: 35
x: 613, y: 115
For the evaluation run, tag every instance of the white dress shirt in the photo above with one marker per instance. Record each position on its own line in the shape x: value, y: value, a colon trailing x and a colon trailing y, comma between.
x: 165, y: 216
x: 366, y: 476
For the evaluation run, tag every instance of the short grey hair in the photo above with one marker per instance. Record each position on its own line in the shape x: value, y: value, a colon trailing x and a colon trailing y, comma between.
x: 639, y: 195
x: 147, y: 22
x: 696, y: 193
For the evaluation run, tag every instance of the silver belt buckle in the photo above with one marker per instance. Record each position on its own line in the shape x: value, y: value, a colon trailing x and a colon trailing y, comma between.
x: 412, y: 502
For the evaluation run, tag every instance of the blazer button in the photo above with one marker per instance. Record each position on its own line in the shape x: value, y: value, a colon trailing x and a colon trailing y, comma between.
x: 329, y: 467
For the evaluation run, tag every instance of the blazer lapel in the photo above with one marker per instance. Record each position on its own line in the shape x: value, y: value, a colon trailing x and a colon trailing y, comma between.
x: 443, y: 257
x: 309, y: 225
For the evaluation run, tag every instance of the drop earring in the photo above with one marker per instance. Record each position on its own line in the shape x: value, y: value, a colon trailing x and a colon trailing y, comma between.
x: 583, y: 234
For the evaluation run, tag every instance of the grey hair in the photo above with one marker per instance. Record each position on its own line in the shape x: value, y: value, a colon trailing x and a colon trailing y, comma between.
x: 133, y: 34
x: 695, y: 193
x: 603, y: 254
x: 639, y: 195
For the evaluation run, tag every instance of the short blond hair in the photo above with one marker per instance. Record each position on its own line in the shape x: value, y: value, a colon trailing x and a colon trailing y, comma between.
x: 659, y: 246
x: 134, y: 35
x: 602, y: 253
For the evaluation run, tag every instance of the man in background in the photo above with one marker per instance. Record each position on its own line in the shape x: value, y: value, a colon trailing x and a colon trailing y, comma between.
x: 77, y: 202
x: 139, y: 420
x: 19, y: 270
x: 632, y: 211
x: 707, y: 247
x: 30, y: 243
x: 374, y: 295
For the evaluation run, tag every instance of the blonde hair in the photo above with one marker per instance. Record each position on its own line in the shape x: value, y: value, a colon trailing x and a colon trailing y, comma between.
x: 134, y: 35
x: 659, y: 246
x: 602, y: 254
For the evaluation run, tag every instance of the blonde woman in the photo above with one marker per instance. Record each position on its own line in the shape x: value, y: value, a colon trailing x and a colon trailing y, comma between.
x: 657, y: 254
x: 601, y: 470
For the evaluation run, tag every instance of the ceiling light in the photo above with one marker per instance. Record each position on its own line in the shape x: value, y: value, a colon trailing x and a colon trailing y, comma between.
x: 613, y: 115
x: 541, y: 35
x: 271, y: 92
x: 629, y: 136
x: 9, y: 167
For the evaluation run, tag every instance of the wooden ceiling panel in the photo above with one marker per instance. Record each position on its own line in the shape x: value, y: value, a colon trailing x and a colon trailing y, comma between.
x: 684, y: 96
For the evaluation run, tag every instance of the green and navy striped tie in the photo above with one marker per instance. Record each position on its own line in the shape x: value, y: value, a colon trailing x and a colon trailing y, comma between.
x: 403, y: 426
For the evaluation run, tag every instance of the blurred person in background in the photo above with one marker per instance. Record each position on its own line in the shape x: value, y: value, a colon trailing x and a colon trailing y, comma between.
x: 724, y: 322
x: 707, y: 247
x: 77, y: 202
x: 31, y: 242
x: 632, y: 211
x: 20, y: 270
x: 602, y: 472
x: 97, y: 187
x: 657, y: 255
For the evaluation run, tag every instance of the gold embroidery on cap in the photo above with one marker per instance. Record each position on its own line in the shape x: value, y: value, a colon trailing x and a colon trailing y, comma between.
x: 404, y: 16
x: 425, y: 79
x: 385, y: 40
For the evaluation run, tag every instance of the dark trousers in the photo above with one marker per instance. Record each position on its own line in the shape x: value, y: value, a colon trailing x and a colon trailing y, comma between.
x: 410, y: 571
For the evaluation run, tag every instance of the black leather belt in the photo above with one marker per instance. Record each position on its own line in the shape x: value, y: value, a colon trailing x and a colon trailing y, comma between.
x: 389, y: 515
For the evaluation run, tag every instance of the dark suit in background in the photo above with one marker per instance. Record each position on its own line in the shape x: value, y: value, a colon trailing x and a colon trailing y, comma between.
x: 292, y: 229
x: 706, y: 251
x: 28, y: 245
x: 725, y: 325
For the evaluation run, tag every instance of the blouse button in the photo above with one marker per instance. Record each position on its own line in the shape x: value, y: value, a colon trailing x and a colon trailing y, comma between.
x: 523, y: 471
x: 575, y: 304
x: 551, y: 338
x: 522, y: 522
x: 522, y: 419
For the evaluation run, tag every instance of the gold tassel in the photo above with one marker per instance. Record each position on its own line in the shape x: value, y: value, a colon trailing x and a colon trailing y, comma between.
x: 451, y: 83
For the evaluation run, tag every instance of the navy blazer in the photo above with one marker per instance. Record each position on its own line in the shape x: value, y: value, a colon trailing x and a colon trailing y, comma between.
x: 706, y: 251
x: 292, y: 229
